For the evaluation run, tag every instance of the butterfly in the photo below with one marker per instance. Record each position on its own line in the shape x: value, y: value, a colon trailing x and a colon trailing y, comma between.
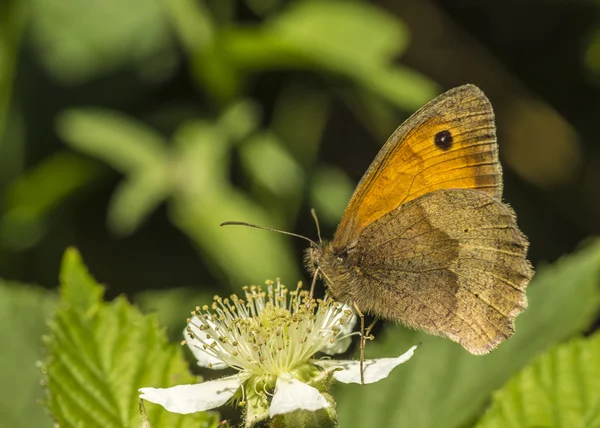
x: 426, y: 239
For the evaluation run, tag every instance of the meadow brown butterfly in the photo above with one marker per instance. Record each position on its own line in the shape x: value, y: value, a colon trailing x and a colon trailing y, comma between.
x: 426, y: 239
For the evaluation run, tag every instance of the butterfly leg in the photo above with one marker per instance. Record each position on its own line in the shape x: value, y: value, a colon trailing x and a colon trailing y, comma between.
x: 362, y: 343
x: 369, y: 328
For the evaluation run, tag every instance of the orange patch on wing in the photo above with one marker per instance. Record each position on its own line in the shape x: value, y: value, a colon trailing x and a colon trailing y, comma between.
x: 450, y: 144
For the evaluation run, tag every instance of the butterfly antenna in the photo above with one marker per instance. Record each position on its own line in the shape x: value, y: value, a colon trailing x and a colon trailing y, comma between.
x: 316, y: 219
x: 242, y: 223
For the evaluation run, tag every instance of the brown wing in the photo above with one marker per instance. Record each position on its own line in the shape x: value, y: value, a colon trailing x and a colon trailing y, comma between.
x: 449, y: 143
x: 451, y: 263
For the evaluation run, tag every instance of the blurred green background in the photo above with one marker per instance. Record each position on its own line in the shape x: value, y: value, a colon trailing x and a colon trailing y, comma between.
x: 132, y: 129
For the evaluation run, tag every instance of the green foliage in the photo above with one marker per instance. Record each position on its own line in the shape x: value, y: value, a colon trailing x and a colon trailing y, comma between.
x: 276, y: 155
x: 35, y: 195
x: 23, y: 313
x: 171, y: 306
x: 592, y: 54
x: 331, y: 191
x: 559, y: 389
x: 217, y: 109
x: 206, y: 198
x: 12, y: 19
x: 445, y: 385
x: 330, y: 33
x: 99, y: 354
x: 129, y: 147
x: 323, y: 36
x: 192, y: 174
x: 76, y: 44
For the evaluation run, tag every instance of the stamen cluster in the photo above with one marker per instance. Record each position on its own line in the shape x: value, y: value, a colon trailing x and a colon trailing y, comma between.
x: 268, y: 332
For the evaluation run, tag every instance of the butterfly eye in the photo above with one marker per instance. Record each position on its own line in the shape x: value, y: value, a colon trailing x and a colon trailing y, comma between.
x: 443, y: 140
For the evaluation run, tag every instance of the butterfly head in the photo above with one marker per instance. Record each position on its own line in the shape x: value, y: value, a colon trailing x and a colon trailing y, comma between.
x: 313, y: 256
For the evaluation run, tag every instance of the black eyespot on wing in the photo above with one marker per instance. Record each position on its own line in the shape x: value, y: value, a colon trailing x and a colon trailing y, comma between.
x: 443, y: 140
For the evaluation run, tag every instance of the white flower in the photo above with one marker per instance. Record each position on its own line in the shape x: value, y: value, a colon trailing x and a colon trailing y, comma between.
x: 270, y: 339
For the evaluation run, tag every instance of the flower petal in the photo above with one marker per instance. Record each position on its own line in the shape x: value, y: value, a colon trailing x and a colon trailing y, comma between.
x: 204, y: 359
x: 341, y: 345
x: 291, y: 394
x: 338, y: 347
x: 375, y: 370
x: 198, y: 397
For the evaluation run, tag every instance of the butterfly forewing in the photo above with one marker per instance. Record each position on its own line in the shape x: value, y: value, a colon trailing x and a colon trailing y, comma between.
x: 449, y: 143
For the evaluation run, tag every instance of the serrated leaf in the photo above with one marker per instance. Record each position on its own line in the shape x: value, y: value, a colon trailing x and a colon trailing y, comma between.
x: 23, y: 312
x: 445, y: 385
x: 78, y: 289
x: 592, y: 419
x: 559, y: 389
x: 100, y: 354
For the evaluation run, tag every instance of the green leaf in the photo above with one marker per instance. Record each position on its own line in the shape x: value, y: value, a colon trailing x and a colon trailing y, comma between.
x: 130, y: 147
x: 135, y: 199
x: 446, y: 386
x: 13, y: 15
x: 125, y: 144
x: 239, y: 120
x: 78, y: 289
x: 79, y: 40
x: 275, y: 177
x: 211, y: 69
x: 204, y: 199
x: 296, y: 105
x: 403, y: 87
x: 559, y: 389
x: 327, y: 36
x: 34, y: 195
x: 333, y: 32
x: 330, y: 192
x: 23, y: 313
x: 193, y: 23
x: 100, y: 354
x: 592, y: 54
x: 169, y: 305
x: 271, y: 166
x: 592, y: 418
